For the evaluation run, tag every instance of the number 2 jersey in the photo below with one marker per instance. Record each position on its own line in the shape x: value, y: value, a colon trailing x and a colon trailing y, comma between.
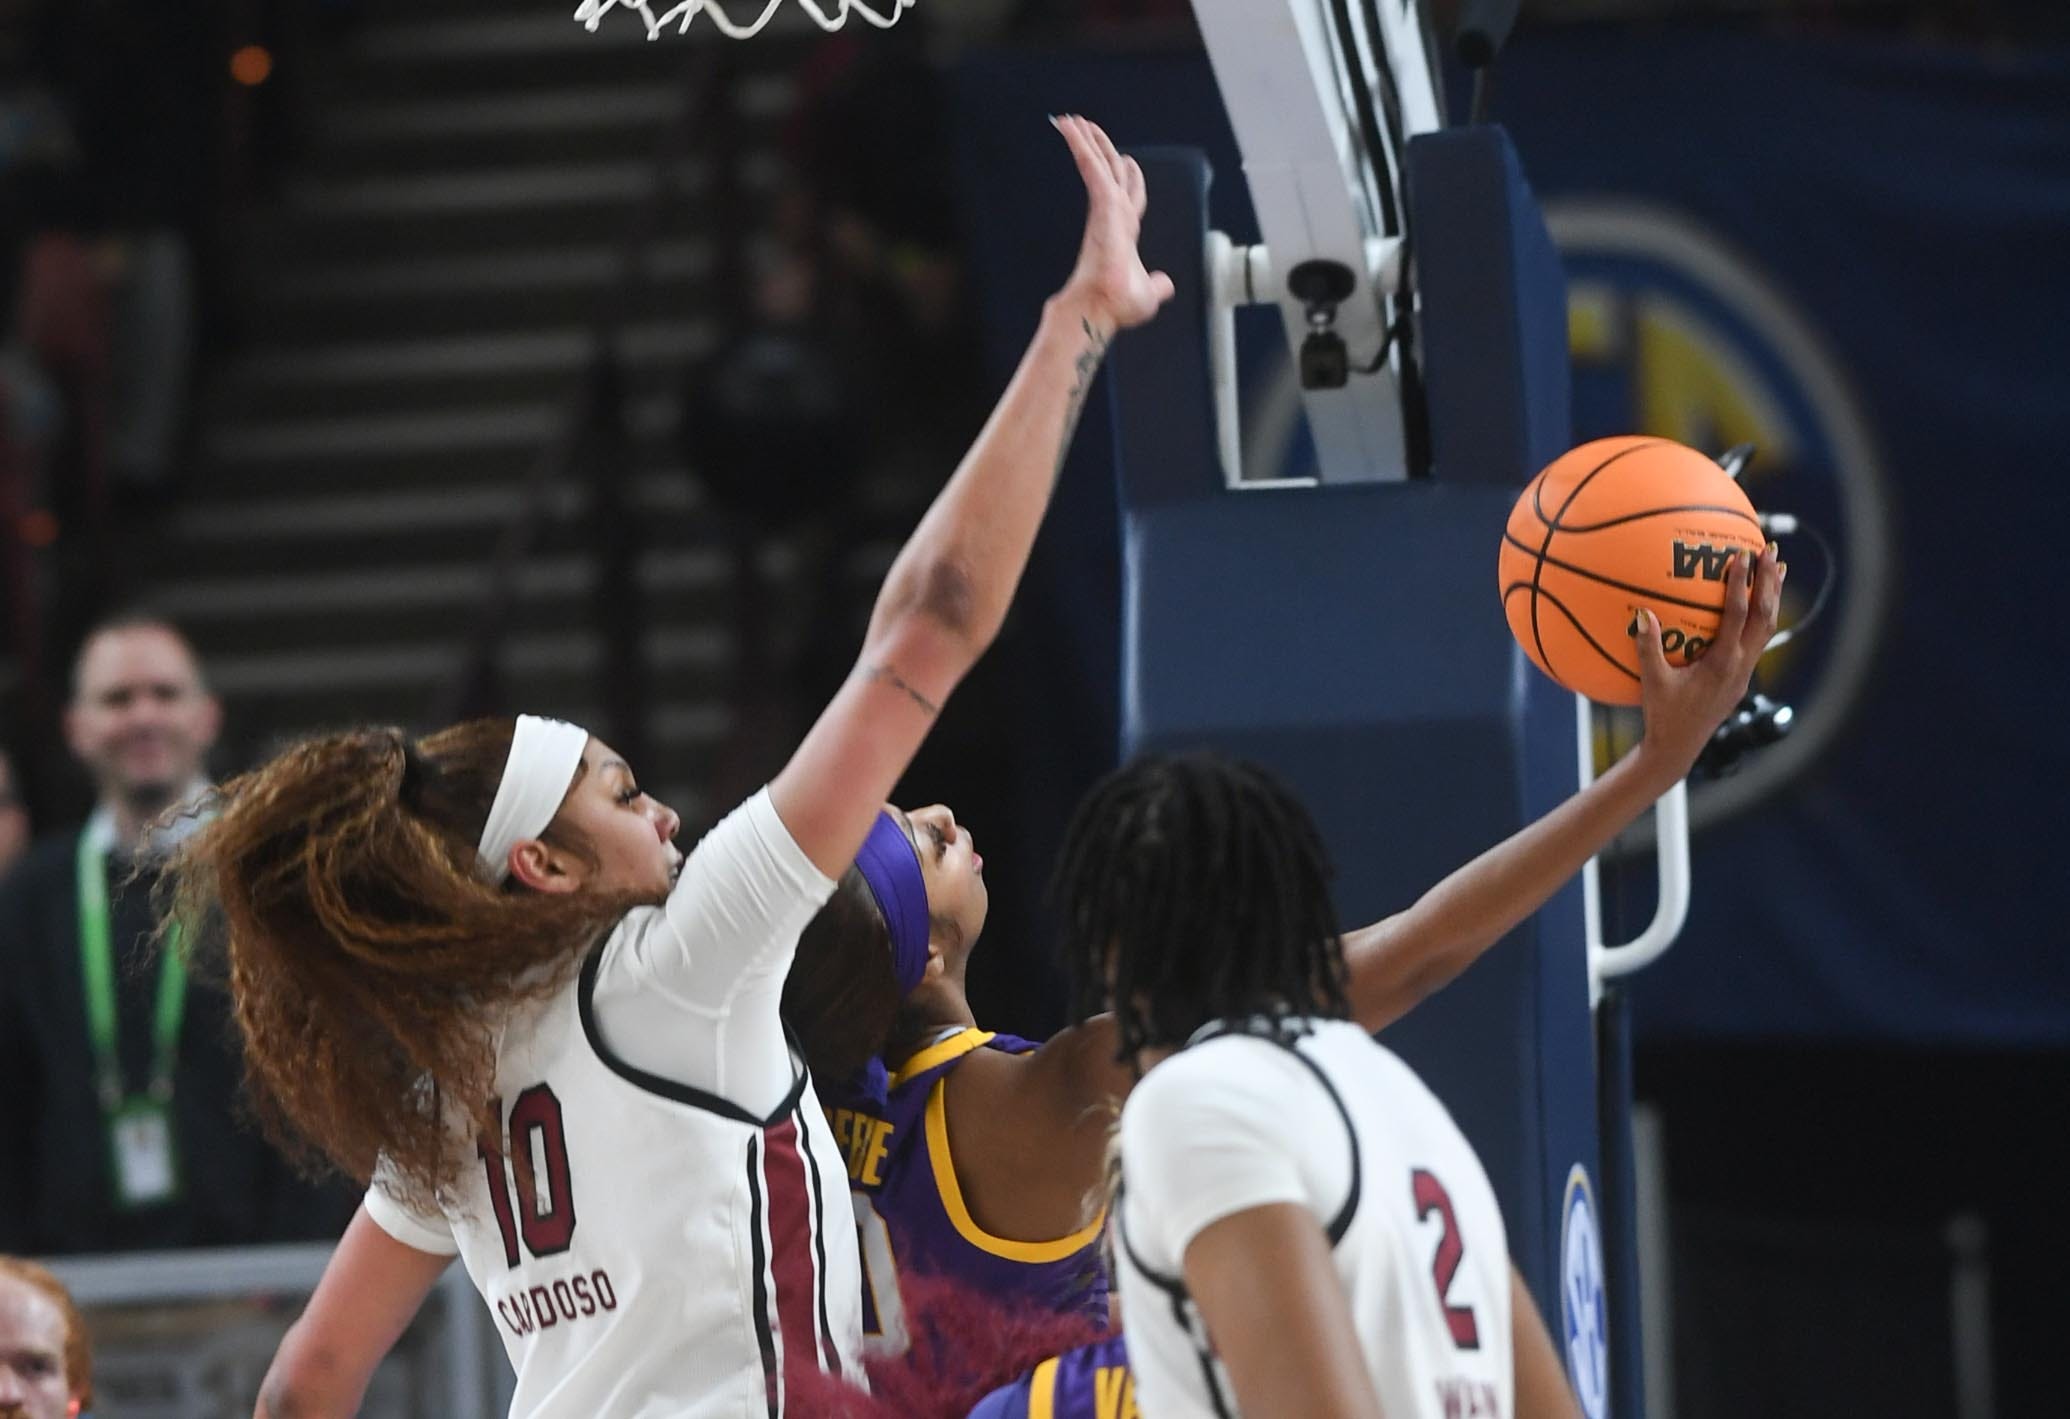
x: 649, y: 1248
x: 1317, y: 1114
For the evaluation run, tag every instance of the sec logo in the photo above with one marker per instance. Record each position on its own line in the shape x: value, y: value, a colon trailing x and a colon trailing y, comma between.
x: 1675, y: 332
x: 1584, y: 1310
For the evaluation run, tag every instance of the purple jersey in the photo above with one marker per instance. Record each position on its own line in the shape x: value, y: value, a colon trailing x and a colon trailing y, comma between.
x: 909, y: 1206
x: 1091, y: 1382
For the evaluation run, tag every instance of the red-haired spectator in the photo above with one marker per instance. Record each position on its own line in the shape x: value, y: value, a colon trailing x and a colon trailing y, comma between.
x: 46, y: 1363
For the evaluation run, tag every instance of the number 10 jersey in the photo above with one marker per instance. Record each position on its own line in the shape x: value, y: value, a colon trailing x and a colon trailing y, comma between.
x: 645, y: 1248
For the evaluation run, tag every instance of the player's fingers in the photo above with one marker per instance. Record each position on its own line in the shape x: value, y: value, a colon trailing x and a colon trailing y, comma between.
x: 1092, y: 167
x: 1107, y: 150
x: 1732, y: 619
x: 1161, y: 287
x: 1137, y: 187
x: 1767, y: 601
x: 1653, y: 665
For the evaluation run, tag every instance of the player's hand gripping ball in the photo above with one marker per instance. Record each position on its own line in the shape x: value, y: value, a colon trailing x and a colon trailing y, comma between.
x: 1611, y: 527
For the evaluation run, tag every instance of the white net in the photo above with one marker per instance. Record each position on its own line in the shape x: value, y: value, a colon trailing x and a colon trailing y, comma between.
x: 881, y: 13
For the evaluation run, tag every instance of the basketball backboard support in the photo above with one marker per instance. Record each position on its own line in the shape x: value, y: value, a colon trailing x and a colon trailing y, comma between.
x: 1324, y: 96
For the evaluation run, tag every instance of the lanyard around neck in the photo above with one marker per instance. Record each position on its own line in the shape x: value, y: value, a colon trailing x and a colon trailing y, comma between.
x: 97, y: 976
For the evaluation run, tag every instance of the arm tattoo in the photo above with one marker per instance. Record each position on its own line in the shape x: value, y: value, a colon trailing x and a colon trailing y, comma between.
x: 1088, y: 366
x: 885, y: 674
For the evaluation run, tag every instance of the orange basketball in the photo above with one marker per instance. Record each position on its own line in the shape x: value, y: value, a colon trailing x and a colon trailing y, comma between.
x: 1606, y: 529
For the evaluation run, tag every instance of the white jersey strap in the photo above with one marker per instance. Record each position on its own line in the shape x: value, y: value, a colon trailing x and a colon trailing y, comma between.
x: 1287, y: 1031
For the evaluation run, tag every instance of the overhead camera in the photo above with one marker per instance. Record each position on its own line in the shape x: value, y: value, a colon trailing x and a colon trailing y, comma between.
x: 1322, y: 286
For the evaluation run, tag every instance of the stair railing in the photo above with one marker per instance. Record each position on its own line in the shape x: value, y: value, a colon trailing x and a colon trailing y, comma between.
x: 594, y: 434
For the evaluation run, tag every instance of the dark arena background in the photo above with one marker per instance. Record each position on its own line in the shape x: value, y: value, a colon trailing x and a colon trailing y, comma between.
x: 423, y: 359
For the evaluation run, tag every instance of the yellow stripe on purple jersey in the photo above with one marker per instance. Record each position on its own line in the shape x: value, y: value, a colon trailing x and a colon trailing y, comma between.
x: 1091, y: 1382
x: 910, y: 1211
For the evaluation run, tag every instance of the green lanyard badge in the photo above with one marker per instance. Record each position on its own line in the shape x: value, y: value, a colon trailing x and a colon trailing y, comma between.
x: 139, y: 1125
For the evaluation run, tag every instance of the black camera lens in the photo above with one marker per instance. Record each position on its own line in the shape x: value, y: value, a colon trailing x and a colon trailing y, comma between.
x: 1325, y: 363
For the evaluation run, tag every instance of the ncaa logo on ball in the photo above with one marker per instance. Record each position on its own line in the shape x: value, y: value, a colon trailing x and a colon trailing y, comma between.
x: 1584, y: 1318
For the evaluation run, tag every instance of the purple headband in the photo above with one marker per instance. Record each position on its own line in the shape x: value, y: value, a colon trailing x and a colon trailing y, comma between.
x: 890, y: 867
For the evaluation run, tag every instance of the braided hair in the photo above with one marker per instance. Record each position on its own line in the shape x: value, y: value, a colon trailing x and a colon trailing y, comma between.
x: 1193, y: 888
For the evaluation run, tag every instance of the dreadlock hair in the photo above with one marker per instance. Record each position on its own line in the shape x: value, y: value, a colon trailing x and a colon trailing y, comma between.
x: 368, y: 964
x: 1194, y: 888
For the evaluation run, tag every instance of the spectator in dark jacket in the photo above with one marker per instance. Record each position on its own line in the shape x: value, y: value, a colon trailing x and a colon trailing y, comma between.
x: 119, y: 1122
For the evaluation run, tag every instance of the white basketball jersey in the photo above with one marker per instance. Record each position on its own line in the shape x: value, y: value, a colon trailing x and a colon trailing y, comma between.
x: 648, y: 1250
x: 1340, y: 1124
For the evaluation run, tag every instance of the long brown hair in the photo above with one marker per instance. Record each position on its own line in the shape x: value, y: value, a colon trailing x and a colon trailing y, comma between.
x: 369, y: 966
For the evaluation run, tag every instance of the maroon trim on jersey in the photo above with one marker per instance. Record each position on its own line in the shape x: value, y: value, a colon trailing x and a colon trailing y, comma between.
x: 792, y: 1251
x: 829, y: 1352
x: 763, y: 1335
x: 669, y: 1088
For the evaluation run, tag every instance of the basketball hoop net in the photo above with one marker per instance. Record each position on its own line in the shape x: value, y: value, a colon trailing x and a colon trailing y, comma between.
x: 881, y: 13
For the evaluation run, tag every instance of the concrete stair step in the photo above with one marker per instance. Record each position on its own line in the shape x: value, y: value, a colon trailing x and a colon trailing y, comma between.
x: 398, y: 680
x: 487, y: 212
x: 494, y: 474
x: 277, y: 697
x: 538, y: 368
x: 463, y: 151
x: 402, y: 396
x: 356, y: 531
x: 285, y: 450
x: 291, y: 612
x: 470, y: 293
x: 463, y: 34
x: 593, y: 123
x: 456, y: 55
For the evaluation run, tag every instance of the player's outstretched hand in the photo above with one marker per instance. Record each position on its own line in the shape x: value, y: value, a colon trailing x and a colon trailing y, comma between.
x: 1110, y: 275
x: 1683, y: 707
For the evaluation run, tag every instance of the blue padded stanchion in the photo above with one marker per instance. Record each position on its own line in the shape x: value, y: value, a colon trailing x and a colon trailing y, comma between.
x: 1627, y: 1378
x: 1351, y: 639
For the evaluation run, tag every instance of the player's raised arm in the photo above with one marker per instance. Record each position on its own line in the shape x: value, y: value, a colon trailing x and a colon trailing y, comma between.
x: 946, y: 595
x: 1401, y: 959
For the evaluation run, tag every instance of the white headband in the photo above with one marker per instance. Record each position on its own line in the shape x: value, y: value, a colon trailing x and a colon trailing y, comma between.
x: 544, y: 754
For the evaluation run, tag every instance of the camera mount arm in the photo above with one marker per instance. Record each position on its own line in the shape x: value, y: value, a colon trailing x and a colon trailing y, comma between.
x: 1240, y: 276
x: 1324, y: 96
